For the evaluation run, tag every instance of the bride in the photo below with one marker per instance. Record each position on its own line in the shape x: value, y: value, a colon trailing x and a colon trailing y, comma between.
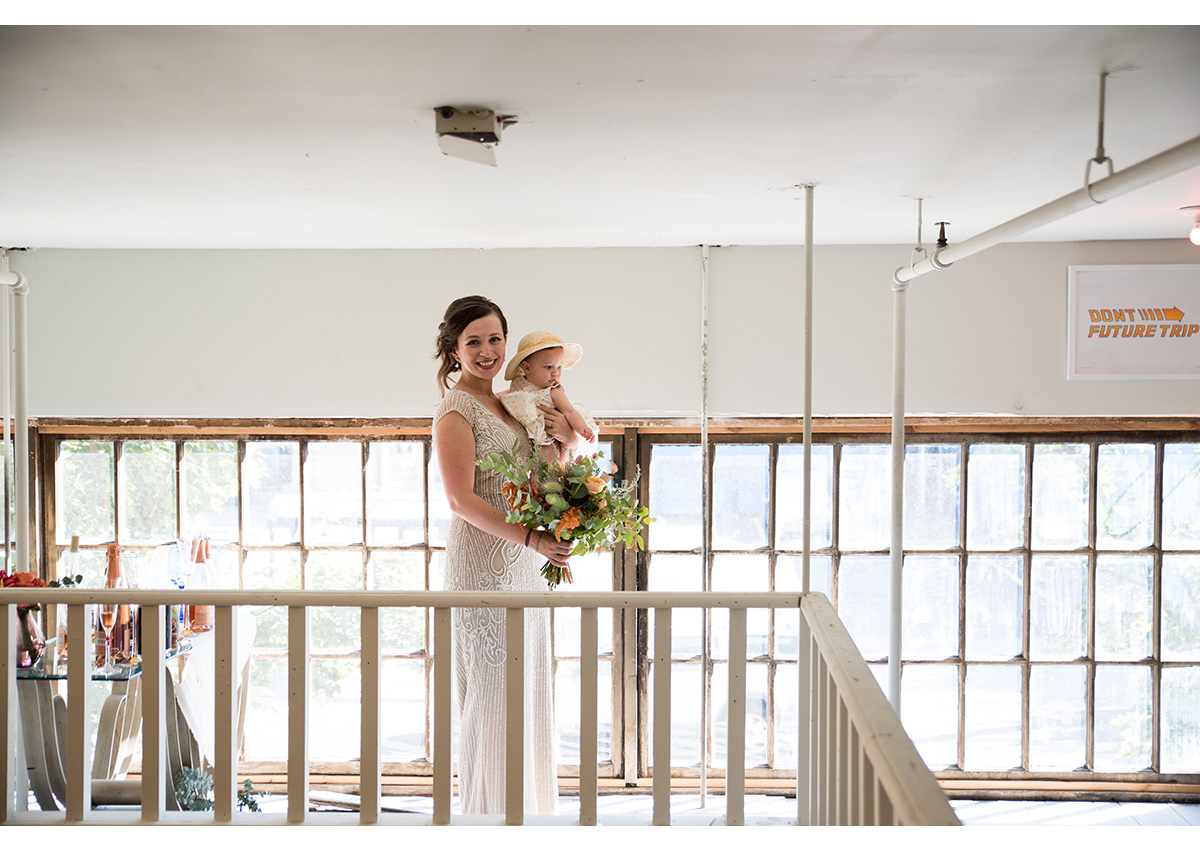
x: 486, y: 553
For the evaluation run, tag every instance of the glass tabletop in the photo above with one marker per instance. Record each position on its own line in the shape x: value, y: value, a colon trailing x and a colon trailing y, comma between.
x: 49, y: 669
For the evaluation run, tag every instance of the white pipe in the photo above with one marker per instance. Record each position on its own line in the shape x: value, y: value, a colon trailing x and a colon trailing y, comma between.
x: 16, y: 284
x: 705, y: 516
x: 806, y: 558
x: 1165, y: 164
x: 6, y: 412
x: 899, y: 291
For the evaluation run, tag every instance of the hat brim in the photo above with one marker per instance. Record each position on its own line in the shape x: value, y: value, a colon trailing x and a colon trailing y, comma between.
x: 572, y: 352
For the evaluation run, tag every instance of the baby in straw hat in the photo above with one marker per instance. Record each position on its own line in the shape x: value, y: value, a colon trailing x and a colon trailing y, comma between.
x: 535, y: 372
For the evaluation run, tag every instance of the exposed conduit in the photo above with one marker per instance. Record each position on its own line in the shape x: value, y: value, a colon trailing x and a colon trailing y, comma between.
x: 1169, y: 162
x: 705, y: 522
x: 16, y: 389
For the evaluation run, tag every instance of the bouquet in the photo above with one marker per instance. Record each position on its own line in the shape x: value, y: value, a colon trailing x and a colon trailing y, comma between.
x: 578, y: 501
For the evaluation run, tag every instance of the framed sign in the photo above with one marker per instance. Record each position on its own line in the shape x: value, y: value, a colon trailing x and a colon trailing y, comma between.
x: 1133, y: 322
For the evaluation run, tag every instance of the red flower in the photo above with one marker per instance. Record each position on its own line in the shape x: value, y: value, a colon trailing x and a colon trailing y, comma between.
x: 23, y: 580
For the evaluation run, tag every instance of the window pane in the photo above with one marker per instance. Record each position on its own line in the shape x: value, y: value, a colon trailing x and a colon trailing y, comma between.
x: 395, y: 493
x: 675, y: 485
x: 271, y: 487
x: 439, y: 508
x: 787, y: 717
x: 267, y: 714
x: 1125, y: 496
x: 1056, y: 718
x: 740, y: 573
x: 1122, y: 718
x: 276, y: 569
x: 789, y: 510
x: 685, y: 713
x: 593, y: 572
x: 789, y: 574
x: 929, y: 708
x: 210, y: 489
x: 335, y: 629
x: 335, y: 709
x: 1180, y: 731
x: 994, y: 607
x: 333, y: 499
x: 1058, y: 607
x: 863, y: 586
x: 1060, y: 496
x: 334, y: 571
x: 741, y: 496
x: 930, y: 595
x: 932, y: 484
x: 678, y: 573
x: 995, y: 497
x: 402, y: 710
x: 85, y: 499
x: 1124, y: 598
x: 1181, y: 495
x: 566, y: 711
x: 148, y: 495
x: 756, y: 715
x: 993, y: 722
x: 1181, y: 608
x: 865, y: 498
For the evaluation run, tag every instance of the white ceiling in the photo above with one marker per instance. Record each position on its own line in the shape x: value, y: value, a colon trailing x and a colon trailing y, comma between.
x: 322, y: 137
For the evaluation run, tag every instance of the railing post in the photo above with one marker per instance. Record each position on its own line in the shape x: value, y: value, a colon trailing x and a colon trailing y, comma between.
x: 662, y: 717
x: 443, y: 670
x: 589, y: 649
x: 804, y: 716
x: 154, y: 718
x: 9, y: 730
x: 79, y: 718
x: 225, y: 713
x: 298, y: 690
x: 735, y: 722
x: 370, y: 762
x: 514, y: 734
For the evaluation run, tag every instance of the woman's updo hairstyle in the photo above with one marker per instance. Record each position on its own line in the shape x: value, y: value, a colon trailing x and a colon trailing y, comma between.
x: 461, y: 313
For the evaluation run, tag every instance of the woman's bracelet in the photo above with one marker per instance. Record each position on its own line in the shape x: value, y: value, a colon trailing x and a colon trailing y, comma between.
x: 527, y: 534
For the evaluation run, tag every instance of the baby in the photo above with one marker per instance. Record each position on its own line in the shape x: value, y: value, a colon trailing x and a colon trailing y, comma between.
x: 535, y: 372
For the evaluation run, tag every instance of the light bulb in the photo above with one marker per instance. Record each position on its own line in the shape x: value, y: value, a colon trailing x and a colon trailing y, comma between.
x: 1194, y: 236
x: 1193, y: 213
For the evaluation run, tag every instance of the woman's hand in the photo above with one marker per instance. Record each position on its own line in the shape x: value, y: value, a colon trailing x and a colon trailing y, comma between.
x: 558, y: 429
x: 555, y: 551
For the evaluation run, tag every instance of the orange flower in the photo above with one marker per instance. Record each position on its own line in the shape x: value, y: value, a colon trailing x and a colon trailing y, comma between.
x: 23, y: 580
x: 569, y: 520
x: 594, y: 484
x: 512, y: 493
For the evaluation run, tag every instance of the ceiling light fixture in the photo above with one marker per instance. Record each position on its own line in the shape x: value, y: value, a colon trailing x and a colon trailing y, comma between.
x: 1193, y: 213
x: 470, y: 134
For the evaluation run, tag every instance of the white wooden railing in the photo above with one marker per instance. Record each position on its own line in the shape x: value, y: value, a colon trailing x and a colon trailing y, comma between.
x: 856, y: 764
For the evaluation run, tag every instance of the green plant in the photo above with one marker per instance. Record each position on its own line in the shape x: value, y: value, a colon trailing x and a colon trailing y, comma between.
x: 194, y: 786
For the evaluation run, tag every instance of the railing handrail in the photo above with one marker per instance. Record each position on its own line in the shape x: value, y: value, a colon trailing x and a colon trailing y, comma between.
x: 384, y: 599
x: 915, y: 793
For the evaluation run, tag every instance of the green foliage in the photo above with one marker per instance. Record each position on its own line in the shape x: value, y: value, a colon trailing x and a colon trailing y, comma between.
x: 194, y: 788
x: 578, y: 501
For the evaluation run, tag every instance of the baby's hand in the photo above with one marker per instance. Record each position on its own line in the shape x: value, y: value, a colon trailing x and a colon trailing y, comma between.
x: 587, y: 434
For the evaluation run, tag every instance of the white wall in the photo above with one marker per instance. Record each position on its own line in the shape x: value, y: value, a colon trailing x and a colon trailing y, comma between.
x: 350, y: 333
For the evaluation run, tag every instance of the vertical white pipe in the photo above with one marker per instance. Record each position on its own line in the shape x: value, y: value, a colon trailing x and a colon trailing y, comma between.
x: 6, y: 337
x: 705, y: 523
x: 21, y: 425
x: 806, y: 573
x: 895, y: 611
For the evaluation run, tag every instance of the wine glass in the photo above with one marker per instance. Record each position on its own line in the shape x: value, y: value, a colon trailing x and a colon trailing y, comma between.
x: 108, y: 619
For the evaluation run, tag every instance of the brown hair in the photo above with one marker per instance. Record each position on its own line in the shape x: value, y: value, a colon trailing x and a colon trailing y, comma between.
x: 461, y: 313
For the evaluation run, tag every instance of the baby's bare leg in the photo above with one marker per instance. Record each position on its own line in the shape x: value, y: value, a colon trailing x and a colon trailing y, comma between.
x: 559, y: 397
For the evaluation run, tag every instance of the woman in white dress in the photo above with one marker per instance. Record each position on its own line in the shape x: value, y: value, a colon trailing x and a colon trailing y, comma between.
x: 486, y: 553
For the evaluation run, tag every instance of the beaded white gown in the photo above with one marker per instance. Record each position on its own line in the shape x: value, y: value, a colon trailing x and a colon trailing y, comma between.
x: 477, y: 561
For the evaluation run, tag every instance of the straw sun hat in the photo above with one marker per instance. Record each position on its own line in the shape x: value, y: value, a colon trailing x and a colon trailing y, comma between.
x: 535, y: 342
